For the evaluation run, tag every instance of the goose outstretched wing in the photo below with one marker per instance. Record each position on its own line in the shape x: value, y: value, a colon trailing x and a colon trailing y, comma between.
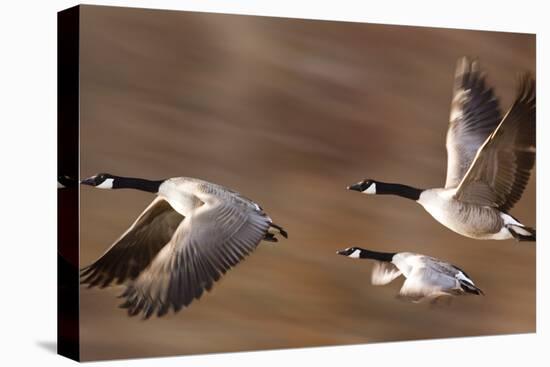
x: 474, y: 116
x: 136, y: 248
x: 384, y: 272
x: 213, y: 239
x: 427, y: 282
x: 435, y: 278
x: 502, y: 165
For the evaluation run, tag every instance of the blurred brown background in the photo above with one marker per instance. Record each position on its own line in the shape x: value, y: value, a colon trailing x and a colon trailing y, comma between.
x: 289, y: 112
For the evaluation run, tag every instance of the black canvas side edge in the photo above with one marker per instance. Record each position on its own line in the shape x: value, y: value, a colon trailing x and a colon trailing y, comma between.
x: 68, y: 35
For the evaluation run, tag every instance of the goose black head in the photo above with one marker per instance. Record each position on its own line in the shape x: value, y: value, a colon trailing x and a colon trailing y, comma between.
x: 100, y: 181
x: 353, y: 252
x: 108, y: 181
x: 366, y: 186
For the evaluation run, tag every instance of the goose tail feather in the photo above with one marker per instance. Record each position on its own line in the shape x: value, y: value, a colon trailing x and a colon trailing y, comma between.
x: 522, y: 233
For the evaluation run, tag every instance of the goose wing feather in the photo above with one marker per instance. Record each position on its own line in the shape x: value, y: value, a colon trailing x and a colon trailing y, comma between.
x: 500, y: 171
x: 213, y: 239
x: 474, y: 115
x: 434, y: 278
x: 384, y: 272
x: 135, y: 249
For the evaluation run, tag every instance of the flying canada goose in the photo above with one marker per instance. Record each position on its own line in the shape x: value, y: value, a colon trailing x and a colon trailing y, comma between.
x: 489, y: 159
x: 183, y: 242
x: 426, y: 277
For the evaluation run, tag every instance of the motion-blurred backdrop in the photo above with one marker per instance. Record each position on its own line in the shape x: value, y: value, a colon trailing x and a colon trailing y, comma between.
x: 289, y: 112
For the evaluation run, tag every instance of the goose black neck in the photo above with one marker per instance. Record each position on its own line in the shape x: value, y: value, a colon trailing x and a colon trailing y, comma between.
x: 375, y: 255
x: 137, y: 184
x: 405, y: 191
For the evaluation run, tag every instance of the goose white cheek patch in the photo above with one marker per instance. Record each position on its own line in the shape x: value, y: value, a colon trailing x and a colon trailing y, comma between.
x: 355, y: 254
x: 371, y: 189
x: 107, y: 184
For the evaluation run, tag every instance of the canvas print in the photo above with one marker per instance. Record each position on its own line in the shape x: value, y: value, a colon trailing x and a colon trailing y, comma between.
x: 235, y: 183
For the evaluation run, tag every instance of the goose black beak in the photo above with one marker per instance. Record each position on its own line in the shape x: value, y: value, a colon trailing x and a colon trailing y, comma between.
x: 88, y: 181
x: 356, y: 187
x: 342, y: 252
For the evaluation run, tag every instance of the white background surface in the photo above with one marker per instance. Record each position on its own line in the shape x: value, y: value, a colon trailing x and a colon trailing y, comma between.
x: 27, y: 182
